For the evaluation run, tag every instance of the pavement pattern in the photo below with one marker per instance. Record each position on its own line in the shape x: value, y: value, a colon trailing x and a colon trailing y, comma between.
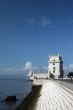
x: 54, y: 97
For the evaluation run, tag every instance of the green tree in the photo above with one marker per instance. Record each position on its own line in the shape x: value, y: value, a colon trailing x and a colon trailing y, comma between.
x: 70, y: 75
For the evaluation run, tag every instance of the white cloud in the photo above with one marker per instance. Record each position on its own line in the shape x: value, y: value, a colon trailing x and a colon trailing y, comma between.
x: 65, y: 68
x: 71, y: 67
x: 8, y: 69
x: 29, y: 67
x: 35, y: 68
x: 45, y: 21
x: 30, y: 20
x: 45, y: 67
x: 68, y: 68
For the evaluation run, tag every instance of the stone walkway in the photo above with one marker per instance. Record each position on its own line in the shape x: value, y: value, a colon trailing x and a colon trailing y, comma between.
x: 53, y: 97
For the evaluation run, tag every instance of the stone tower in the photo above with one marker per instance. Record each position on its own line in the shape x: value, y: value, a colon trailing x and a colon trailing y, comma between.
x: 55, y: 66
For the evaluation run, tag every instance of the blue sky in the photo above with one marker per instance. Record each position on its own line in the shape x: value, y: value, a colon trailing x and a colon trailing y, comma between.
x: 30, y: 30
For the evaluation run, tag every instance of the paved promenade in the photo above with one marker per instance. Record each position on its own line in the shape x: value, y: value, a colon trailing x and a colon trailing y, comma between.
x: 54, y: 97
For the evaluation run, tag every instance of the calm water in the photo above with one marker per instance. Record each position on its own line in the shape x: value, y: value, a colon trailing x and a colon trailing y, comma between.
x: 13, y: 85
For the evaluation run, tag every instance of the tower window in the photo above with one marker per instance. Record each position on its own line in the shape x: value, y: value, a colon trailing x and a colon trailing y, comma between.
x: 54, y: 63
x: 54, y: 71
x: 53, y: 68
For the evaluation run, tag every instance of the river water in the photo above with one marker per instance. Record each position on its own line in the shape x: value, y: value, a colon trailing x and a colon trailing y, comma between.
x: 13, y: 85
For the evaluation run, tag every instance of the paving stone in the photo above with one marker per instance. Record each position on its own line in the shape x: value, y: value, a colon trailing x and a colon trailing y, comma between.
x: 53, y: 97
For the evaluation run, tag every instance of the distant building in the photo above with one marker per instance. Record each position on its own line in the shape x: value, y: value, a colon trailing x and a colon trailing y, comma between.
x: 55, y: 66
x: 55, y: 69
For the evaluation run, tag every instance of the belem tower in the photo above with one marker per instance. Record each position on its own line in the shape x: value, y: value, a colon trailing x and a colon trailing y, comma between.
x: 54, y: 69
